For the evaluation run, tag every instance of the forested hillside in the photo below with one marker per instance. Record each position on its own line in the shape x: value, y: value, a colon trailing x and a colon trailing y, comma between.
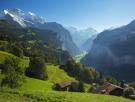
x: 113, y: 53
x: 32, y: 42
x: 30, y: 20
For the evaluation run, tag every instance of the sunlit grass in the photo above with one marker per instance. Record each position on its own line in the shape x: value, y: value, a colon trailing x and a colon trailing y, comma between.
x: 56, y: 74
x: 34, y: 90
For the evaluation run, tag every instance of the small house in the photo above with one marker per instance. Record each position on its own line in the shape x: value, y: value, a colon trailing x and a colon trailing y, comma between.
x: 63, y: 86
x: 110, y: 89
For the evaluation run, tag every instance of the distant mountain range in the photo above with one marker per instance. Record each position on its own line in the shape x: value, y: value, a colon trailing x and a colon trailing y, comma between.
x: 30, y: 20
x: 81, y: 37
x: 113, y: 52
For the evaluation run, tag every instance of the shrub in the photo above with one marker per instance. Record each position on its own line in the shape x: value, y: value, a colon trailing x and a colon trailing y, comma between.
x: 81, y: 86
x: 14, y: 75
x: 128, y: 91
x: 74, y: 86
x: 93, y: 88
x: 77, y: 87
x: 111, y: 80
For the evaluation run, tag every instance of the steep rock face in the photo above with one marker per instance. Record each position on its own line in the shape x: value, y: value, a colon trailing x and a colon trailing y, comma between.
x: 64, y: 35
x: 113, y: 52
x: 31, y: 20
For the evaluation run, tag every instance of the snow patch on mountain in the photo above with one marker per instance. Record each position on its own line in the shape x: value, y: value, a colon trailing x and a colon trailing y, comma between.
x: 22, y: 18
x: 32, y: 14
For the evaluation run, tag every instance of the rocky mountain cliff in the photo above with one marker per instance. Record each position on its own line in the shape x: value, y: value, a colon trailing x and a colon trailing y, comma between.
x: 113, y: 52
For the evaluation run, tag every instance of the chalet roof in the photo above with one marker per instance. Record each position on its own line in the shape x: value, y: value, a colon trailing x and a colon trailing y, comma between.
x: 64, y: 84
x: 108, y: 87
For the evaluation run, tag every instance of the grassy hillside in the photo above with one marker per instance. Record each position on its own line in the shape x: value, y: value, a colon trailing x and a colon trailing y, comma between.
x: 84, y: 97
x: 34, y: 90
x: 52, y: 96
x: 8, y: 97
x: 33, y: 85
x: 57, y: 75
x: 54, y: 75
x: 4, y: 55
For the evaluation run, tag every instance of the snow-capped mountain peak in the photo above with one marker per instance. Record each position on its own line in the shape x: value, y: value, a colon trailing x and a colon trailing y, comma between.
x: 14, y: 15
x: 15, y: 11
x: 32, y: 14
x: 23, y: 19
x: 5, y: 12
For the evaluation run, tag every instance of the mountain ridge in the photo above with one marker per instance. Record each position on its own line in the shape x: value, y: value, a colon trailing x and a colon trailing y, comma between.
x: 31, y: 20
x: 112, y: 49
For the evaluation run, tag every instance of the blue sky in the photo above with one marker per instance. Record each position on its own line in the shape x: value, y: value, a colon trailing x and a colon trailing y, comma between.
x: 99, y: 14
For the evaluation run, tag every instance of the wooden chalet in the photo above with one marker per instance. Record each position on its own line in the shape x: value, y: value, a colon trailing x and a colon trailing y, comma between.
x: 110, y: 89
x: 63, y: 86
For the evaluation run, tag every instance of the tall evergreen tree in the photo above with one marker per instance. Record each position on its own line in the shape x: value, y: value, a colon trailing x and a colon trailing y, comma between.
x: 37, y: 68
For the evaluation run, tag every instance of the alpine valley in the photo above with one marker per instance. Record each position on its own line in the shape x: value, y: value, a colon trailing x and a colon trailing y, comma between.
x: 43, y: 61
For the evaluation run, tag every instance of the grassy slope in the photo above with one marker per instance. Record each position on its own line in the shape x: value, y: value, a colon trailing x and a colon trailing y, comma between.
x: 84, y: 97
x: 8, y: 97
x: 4, y: 55
x: 54, y: 75
x: 34, y: 90
x: 54, y: 96
x: 57, y: 75
x: 33, y: 85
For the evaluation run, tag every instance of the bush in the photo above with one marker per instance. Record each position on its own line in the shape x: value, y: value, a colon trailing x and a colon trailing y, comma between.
x: 128, y: 91
x: 111, y: 80
x: 77, y: 87
x: 14, y: 75
x: 37, y: 68
x: 81, y: 87
x: 74, y: 87
x: 93, y: 88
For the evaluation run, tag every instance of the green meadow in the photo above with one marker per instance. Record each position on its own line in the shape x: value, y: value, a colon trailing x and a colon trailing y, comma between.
x: 34, y: 90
